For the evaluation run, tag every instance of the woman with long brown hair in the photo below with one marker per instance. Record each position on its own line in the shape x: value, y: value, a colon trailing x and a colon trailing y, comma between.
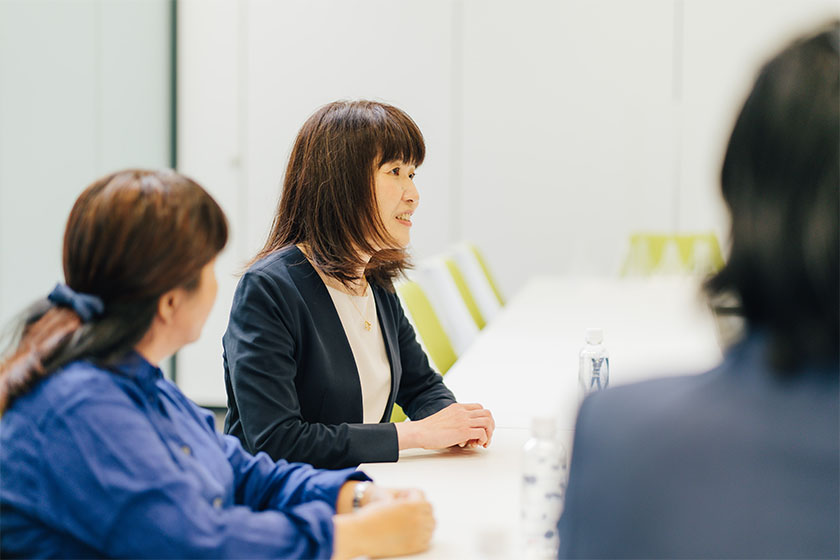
x: 318, y: 350
x: 101, y: 456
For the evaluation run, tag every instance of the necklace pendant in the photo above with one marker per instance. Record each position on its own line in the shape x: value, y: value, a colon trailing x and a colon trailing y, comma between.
x: 367, y: 325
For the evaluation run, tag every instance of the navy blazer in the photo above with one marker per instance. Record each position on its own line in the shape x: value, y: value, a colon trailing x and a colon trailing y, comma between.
x: 734, y: 463
x: 292, y: 384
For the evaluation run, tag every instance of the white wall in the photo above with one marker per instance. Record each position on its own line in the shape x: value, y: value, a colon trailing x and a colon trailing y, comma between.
x: 553, y: 128
x: 587, y: 120
x: 725, y: 44
x: 254, y: 71
x: 211, y: 151
x: 84, y: 90
x: 568, y: 131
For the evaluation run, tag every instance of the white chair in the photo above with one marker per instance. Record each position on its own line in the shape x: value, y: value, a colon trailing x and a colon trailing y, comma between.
x: 477, y: 281
x: 435, y: 279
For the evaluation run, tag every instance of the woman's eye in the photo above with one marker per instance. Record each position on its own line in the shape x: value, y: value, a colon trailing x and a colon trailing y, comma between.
x: 395, y: 171
x: 411, y: 175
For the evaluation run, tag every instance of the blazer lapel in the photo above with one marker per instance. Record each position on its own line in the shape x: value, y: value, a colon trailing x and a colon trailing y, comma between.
x: 328, y: 324
x: 389, y: 332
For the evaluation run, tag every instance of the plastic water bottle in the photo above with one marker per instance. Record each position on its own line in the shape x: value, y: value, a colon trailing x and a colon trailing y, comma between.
x: 543, y: 489
x: 594, y: 370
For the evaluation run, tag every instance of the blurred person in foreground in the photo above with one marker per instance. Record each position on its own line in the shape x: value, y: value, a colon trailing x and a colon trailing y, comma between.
x: 100, y: 456
x: 742, y: 461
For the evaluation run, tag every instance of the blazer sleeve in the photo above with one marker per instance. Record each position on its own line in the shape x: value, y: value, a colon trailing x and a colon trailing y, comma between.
x: 421, y: 392
x: 259, y: 347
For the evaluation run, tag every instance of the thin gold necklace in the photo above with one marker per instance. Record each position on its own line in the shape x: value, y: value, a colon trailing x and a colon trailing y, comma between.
x: 367, y: 324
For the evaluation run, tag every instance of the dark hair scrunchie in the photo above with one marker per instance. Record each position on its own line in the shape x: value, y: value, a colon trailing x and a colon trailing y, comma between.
x: 88, y: 307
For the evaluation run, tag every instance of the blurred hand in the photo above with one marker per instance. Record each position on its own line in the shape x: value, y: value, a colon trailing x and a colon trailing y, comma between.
x: 457, y: 424
x: 400, y: 524
x: 376, y: 493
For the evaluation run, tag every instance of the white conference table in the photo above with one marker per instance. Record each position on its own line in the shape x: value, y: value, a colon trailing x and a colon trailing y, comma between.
x: 524, y: 364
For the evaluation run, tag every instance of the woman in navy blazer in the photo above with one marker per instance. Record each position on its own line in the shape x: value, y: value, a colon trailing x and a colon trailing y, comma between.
x: 296, y: 388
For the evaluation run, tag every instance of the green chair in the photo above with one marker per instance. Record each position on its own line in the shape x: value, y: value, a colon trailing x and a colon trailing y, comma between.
x: 486, y: 269
x: 465, y: 292
x: 667, y: 253
x: 426, y: 322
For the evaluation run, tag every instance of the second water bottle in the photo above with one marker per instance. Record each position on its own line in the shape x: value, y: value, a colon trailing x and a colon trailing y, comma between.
x: 594, y: 367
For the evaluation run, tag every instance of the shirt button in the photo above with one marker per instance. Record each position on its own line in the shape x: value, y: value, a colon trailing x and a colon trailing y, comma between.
x: 186, y: 449
x: 217, y: 503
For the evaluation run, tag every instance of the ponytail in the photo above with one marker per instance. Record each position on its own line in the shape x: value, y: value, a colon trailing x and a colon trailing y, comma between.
x: 45, y: 330
x: 59, y: 330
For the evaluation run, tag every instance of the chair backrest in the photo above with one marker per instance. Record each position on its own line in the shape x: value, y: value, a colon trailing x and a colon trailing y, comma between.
x: 422, y: 315
x: 432, y: 337
x: 486, y: 270
x: 477, y: 280
x: 439, y: 286
x: 466, y: 293
x: 669, y: 253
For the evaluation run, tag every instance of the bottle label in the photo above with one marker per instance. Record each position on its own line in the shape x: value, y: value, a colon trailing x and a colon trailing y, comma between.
x: 600, y: 377
x: 543, y: 489
x: 594, y: 372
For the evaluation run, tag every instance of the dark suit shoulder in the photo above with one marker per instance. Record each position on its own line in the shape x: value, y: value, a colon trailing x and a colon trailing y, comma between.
x: 716, y: 464
x: 287, y: 275
x: 638, y: 409
x: 736, y: 401
x: 281, y: 265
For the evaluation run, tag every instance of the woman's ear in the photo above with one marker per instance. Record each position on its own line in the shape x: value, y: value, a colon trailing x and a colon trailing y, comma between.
x: 168, y: 305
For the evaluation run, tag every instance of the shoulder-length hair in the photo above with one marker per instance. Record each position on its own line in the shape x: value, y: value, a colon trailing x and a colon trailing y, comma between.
x: 328, y: 201
x: 780, y: 180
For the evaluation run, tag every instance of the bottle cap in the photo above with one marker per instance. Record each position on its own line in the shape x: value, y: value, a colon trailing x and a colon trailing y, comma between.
x: 544, y: 426
x: 594, y: 336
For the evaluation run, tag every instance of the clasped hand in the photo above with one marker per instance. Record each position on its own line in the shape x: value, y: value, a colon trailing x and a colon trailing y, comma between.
x: 464, y: 425
x: 391, y: 522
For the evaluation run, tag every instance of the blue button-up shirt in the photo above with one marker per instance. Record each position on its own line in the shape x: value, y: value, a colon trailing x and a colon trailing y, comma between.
x: 120, y: 463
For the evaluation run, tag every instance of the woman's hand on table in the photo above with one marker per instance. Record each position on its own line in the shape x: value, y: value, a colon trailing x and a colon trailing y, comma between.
x: 376, y: 493
x: 390, y: 522
x: 469, y: 425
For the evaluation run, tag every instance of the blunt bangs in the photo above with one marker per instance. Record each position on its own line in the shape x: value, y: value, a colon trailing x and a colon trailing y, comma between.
x: 398, y: 137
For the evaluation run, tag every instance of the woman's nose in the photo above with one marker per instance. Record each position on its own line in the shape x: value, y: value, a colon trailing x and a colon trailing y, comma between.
x: 411, y: 194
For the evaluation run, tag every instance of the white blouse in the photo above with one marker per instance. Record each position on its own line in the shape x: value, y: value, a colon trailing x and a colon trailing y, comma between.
x: 368, y: 348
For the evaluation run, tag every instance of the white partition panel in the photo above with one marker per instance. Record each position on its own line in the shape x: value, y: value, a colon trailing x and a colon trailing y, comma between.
x: 210, y: 85
x: 84, y: 90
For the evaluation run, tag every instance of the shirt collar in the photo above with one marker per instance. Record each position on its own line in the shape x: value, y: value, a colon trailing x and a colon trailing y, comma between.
x: 136, y: 367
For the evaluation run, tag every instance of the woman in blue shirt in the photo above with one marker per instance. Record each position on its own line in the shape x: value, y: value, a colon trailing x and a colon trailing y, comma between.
x: 318, y: 350
x: 101, y: 456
